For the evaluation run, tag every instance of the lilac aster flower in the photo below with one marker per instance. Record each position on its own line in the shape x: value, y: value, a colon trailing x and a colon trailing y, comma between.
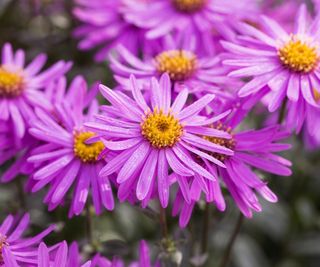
x: 144, y: 257
x: 281, y: 12
x: 180, y: 58
x: 21, y: 87
x: 104, y: 26
x: 19, y: 149
x: 153, y: 137
x: 9, y: 151
x: 59, y: 259
x: 65, y: 158
x: 252, y: 149
x: 16, y: 249
x: 287, y: 63
x: 195, y: 17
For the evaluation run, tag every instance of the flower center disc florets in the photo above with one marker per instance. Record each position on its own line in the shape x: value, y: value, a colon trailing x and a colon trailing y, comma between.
x: 298, y: 56
x: 161, y: 130
x: 228, y: 143
x: 88, y: 153
x: 189, y: 6
x: 3, y: 243
x: 179, y: 64
x: 11, y: 83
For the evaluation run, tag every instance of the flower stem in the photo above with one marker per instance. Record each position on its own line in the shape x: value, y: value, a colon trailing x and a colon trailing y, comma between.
x: 205, y: 229
x: 236, y: 231
x: 89, y: 225
x: 163, y: 222
x: 21, y: 194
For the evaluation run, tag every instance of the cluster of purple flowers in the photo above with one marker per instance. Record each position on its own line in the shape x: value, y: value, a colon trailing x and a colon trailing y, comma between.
x: 17, y: 251
x: 173, y: 131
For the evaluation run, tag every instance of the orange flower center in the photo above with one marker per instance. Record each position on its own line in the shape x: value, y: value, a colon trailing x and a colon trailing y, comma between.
x: 179, y: 64
x: 228, y: 143
x: 298, y: 55
x: 87, y: 153
x: 189, y: 6
x: 11, y: 83
x: 161, y: 130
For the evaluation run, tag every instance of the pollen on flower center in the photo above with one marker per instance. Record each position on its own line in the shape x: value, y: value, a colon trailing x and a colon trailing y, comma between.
x: 179, y: 64
x: 161, y: 130
x: 228, y: 143
x: 189, y: 6
x: 3, y: 243
x: 11, y: 83
x: 298, y: 56
x: 86, y: 152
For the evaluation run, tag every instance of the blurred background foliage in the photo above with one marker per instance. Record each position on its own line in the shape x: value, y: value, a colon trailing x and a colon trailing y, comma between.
x: 285, y: 234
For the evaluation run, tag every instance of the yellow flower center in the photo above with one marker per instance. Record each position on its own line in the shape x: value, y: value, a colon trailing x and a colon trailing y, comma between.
x: 161, y: 130
x: 189, y: 6
x: 179, y: 64
x: 298, y: 56
x: 228, y: 143
x: 3, y: 243
x: 86, y: 152
x: 11, y: 83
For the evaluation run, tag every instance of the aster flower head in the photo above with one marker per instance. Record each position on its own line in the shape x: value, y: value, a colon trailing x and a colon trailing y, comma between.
x: 21, y: 87
x: 287, y: 63
x: 65, y: 158
x: 150, y: 138
x: 191, y: 17
x: 104, y: 26
x: 281, y: 12
x: 10, y: 151
x: 185, y: 64
x: 253, y: 149
x: 13, y: 247
x: 59, y: 258
x: 17, y: 151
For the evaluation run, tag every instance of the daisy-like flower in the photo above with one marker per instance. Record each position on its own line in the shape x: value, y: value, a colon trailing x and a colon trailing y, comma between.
x: 75, y: 259
x: 104, y: 26
x: 19, y: 150
x: 61, y: 258
x: 65, y: 158
x: 287, y: 63
x: 13, y: 247
x: 21, y: 87
x: 195, y: 17
x: 144, y: 257
x: 180, y: 58
x: 152, y: 138
x: 253, y: 149
x: 9, y: 151
x: 281, y: 12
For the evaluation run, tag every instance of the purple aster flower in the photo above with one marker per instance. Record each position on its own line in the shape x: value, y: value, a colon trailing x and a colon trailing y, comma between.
x: 153, y: 137
x: 19, y: 149
x: 60, y: 258
x: 253, y: 149
x: 144, y: 257
x: 195, y: 17
x: 9, y: 151
x: 104, y: 26
x: 21, y: 87
x: 287, y: 63
x: 311, y: 131
x: 180, y: 58
x: 281, y: 12
x: 16, y: 249
x: 65, y: 158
